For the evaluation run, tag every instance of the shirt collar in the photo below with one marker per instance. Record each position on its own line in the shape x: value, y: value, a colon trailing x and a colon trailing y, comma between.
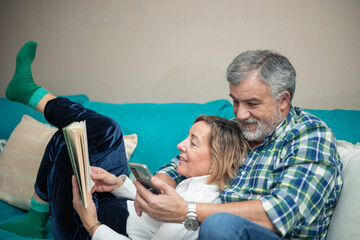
x: 282, y: 127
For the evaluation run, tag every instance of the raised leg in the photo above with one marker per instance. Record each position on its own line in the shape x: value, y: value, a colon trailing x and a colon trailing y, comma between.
x: 23, y: 89
x: 53, y: 184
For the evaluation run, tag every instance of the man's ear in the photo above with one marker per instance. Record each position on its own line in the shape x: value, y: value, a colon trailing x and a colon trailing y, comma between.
x: 284, y: 101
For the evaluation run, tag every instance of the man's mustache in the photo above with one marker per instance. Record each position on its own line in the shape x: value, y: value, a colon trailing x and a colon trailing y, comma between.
x: 248, y: 121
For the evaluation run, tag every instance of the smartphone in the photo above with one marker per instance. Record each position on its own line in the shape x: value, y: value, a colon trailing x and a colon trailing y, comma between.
x: 143, y: 175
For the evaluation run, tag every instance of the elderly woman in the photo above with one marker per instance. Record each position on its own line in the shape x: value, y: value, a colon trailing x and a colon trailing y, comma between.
x: 209, y: 159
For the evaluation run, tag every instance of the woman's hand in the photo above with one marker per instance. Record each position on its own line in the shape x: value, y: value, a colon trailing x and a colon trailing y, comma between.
x: 104, y: 181
x: 88, y: 216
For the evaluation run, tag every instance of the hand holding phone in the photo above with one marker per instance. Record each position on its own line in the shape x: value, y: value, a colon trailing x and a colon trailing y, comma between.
x: 143, y: 175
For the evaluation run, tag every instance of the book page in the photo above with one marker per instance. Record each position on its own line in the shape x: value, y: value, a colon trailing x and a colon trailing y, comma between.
x: 89, y: 182
x: 76, y: 141
x: 78, y: 152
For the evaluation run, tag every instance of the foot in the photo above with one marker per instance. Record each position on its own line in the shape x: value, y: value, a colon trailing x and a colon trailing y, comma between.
x: 22, y: 87
x: 32, y: 226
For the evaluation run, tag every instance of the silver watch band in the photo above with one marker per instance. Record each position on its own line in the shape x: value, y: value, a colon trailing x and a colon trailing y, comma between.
x: 192, y: 207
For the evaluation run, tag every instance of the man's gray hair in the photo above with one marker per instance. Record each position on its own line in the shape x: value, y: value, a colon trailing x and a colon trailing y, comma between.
x: 272, y: 68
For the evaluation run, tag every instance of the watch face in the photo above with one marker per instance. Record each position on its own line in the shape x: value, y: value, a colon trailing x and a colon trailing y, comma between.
x: 191, y: 224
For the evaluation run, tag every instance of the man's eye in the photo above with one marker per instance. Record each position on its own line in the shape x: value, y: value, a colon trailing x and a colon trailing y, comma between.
x: 192, y: 144
x: 252, y: 104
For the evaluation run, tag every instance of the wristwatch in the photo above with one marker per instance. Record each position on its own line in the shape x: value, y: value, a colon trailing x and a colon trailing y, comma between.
x: 191, y: 223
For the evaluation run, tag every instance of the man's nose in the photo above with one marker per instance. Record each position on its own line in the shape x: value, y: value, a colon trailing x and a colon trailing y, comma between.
x: 242, y: 113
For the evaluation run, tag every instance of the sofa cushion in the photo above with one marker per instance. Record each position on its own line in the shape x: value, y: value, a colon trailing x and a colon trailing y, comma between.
x: 21, y: 157
x: 160, y: 127
x: 345, y: 221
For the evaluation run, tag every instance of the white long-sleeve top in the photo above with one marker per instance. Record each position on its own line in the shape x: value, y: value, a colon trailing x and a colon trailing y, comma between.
x: 141, y: 228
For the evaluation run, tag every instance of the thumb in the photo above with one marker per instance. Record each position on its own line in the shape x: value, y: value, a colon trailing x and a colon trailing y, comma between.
x: 75, y: 188
x: 162, y: 185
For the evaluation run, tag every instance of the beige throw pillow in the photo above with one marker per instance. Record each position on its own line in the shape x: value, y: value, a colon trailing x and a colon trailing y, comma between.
x: 130, y: 141
x: 21, y: 157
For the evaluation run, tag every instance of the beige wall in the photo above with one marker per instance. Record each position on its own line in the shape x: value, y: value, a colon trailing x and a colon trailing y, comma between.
x: 178, y: 51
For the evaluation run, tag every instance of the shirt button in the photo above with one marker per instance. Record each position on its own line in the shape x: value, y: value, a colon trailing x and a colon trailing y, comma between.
x: 242, y: 173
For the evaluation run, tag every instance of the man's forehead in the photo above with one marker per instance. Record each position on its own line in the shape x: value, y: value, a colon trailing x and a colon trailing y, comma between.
x: 246, y: 99
x: 249, y: 89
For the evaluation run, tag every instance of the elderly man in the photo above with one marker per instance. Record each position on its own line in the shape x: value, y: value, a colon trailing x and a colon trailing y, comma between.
x: 291, y: 180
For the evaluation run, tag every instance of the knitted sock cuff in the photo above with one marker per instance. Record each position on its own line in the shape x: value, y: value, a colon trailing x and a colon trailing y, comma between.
x: 39, y: 206
x: 36, y: 97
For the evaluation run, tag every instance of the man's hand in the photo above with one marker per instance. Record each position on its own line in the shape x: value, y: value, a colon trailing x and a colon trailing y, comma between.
x: 104, y: 181
x: 166, y: 207
x: 88, y: 216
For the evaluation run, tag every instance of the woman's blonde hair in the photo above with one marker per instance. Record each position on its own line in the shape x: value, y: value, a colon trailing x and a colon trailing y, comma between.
x: 228, y: 149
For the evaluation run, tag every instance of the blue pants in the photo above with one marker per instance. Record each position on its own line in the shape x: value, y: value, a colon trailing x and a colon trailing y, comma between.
x: 53, y: 183
x: 221, y: 226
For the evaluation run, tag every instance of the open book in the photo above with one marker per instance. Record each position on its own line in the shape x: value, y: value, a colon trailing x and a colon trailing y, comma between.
x: 77, y: 145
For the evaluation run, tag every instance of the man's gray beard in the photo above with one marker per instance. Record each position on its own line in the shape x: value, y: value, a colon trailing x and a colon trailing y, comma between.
x: 262, y: 128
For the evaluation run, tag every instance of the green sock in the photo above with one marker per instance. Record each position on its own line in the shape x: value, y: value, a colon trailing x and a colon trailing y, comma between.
x: 22, y: 87
x: 34, y: 224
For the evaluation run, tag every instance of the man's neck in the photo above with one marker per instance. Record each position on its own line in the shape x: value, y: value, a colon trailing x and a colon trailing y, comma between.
x: 254, y: 144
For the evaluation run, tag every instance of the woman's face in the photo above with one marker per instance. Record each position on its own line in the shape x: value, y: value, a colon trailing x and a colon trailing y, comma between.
x: 195, y: 159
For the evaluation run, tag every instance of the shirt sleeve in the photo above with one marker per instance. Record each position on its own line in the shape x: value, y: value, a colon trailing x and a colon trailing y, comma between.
x: 105, y: 233
x: 174, y: 231
x: 170, y: 169
x: 126, y: 190
x: 308, y: 172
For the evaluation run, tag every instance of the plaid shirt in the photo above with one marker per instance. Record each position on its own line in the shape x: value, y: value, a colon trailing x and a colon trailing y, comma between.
x: 295, y: 173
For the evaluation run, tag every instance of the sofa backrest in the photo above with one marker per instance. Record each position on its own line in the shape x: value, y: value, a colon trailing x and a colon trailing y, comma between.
x: 160, y: 127
x: 344, y: 123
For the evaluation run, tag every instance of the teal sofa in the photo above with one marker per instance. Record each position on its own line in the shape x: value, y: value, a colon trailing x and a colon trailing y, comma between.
x: 159, y: 128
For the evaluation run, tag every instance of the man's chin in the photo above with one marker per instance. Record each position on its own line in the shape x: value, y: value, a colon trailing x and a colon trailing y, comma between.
x: 249, y: 127
x: 248, y: 130
x: 253, y: 136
